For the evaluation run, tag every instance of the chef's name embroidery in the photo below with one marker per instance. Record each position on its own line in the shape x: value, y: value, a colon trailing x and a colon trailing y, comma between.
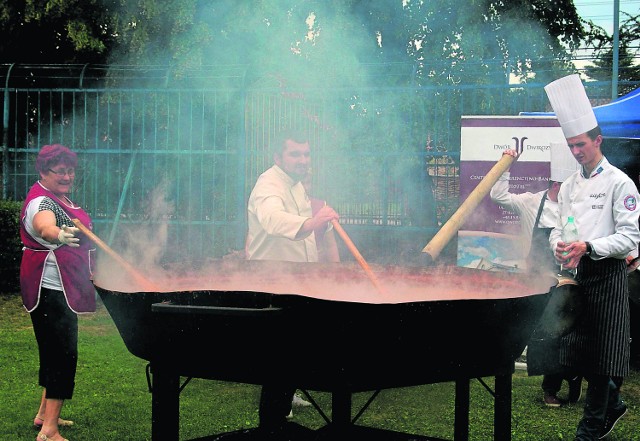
x: 597, y: 196
x: 630, y: 202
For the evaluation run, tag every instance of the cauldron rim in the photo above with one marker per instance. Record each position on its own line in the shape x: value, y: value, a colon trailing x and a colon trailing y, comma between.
x: 347, y: 276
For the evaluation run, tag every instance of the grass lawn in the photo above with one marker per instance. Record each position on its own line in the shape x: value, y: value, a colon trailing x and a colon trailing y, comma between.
x: 112, y: 400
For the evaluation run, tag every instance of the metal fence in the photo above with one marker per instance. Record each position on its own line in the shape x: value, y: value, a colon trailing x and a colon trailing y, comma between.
x: 174, y: 166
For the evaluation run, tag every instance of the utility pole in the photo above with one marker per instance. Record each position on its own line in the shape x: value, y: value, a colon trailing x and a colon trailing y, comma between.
x: 616, y: 43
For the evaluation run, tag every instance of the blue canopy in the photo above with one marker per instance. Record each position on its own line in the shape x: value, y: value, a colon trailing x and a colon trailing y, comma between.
x: 618, y: 119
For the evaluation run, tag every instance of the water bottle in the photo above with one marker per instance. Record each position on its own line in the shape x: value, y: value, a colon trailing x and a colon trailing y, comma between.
x: 569, y: 234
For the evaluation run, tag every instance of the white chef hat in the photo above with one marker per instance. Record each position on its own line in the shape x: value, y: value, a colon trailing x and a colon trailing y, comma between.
x: 563, y: 164
x: 571, y: 105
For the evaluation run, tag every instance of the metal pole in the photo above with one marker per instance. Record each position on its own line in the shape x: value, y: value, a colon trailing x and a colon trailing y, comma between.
x: 123, y: 197
x: 5, y: 135
x: 616, y: 42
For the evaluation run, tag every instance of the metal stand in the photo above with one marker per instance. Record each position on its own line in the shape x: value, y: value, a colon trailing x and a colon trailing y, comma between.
x: 165, y: 404
x: 165, y: 415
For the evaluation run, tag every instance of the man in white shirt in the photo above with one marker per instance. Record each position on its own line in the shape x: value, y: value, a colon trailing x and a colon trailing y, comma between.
x: 281, y: 227
x: 281, y: 222
x: 536, y: 211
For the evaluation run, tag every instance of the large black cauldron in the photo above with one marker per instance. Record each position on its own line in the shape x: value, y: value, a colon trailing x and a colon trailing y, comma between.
x: 467, y: 324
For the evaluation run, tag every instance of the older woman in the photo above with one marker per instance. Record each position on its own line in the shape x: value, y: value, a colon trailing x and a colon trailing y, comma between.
x: 55, y: 280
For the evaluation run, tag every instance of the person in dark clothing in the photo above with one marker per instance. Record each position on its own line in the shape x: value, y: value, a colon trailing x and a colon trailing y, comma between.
x: 538, y: 214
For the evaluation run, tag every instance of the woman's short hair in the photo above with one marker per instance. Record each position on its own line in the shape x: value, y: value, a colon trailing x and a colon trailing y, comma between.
x: 54, y: 154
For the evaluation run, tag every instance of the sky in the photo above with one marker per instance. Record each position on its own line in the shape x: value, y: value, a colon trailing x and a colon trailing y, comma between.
x: 601, y: 11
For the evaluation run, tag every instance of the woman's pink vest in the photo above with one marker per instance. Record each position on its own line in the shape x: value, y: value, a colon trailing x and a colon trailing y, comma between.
x: 75, y: 264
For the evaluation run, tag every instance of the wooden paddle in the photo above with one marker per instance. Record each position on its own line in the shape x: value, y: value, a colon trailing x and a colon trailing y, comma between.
x: 354, y: 251
x: 139, y: 278
x: 455, y: 222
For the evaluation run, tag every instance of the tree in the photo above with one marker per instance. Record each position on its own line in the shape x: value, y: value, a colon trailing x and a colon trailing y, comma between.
x: 440, y: 41
x: 154, y: 32
x: 49, y: 31
x: 629, y: 52
x: 484, y: 42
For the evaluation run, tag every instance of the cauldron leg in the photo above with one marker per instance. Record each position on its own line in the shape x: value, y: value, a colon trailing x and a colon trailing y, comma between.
x: 461, y: 424
x: 165, y: 404
x: 341, y: 410
x: 502, y: 408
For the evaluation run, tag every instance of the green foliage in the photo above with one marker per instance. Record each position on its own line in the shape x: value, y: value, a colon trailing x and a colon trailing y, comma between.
x: 327, y: 42
x: 151, y: 32
x: 65, y: 31
x: 482, y: 42
x: 449, y: 42
x: 80, y: 34
x: 10, y: 246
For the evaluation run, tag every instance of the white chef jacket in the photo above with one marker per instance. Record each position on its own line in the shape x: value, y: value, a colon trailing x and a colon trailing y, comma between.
x: 605, y: 208
x: 278, y: 206
x: 526, y: 206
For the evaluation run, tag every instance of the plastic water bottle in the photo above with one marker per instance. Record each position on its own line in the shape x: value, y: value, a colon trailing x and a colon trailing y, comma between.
x: 569, y: 234
x: 570, y: 231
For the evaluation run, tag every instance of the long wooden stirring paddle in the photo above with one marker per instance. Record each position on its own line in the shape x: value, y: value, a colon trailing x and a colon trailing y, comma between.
x: 354, y: 251
x: 139, y: 278
x: 457, y: 220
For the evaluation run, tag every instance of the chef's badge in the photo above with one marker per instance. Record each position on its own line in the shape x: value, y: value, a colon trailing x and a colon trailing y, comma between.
x: 630, y: 202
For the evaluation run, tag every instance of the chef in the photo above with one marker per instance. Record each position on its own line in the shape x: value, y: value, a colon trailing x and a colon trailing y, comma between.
x: 603, y: 201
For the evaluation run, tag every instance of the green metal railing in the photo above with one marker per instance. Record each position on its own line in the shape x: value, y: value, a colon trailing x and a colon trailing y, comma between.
x: 181, y: 162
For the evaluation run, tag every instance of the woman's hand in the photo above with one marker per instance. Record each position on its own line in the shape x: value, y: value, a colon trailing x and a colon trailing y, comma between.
x: 66, y: 236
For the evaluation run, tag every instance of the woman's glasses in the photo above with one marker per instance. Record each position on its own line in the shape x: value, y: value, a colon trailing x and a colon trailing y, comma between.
x: 62, y: 173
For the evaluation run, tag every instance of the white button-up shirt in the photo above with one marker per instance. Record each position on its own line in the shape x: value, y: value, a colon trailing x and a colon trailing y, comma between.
x: 526, y: 206
x: 278, y: 206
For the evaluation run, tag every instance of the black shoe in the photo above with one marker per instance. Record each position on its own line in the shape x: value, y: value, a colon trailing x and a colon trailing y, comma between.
x: 575, y: 390
x: 611, y: 419
x: 550, y: 400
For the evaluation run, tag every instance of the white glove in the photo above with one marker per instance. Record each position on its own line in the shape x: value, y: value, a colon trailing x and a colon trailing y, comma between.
x: 66, y: 236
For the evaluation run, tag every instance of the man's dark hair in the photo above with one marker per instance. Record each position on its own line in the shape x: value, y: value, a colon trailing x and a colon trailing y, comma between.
x: 594, y: 133
x: 277, y: 142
